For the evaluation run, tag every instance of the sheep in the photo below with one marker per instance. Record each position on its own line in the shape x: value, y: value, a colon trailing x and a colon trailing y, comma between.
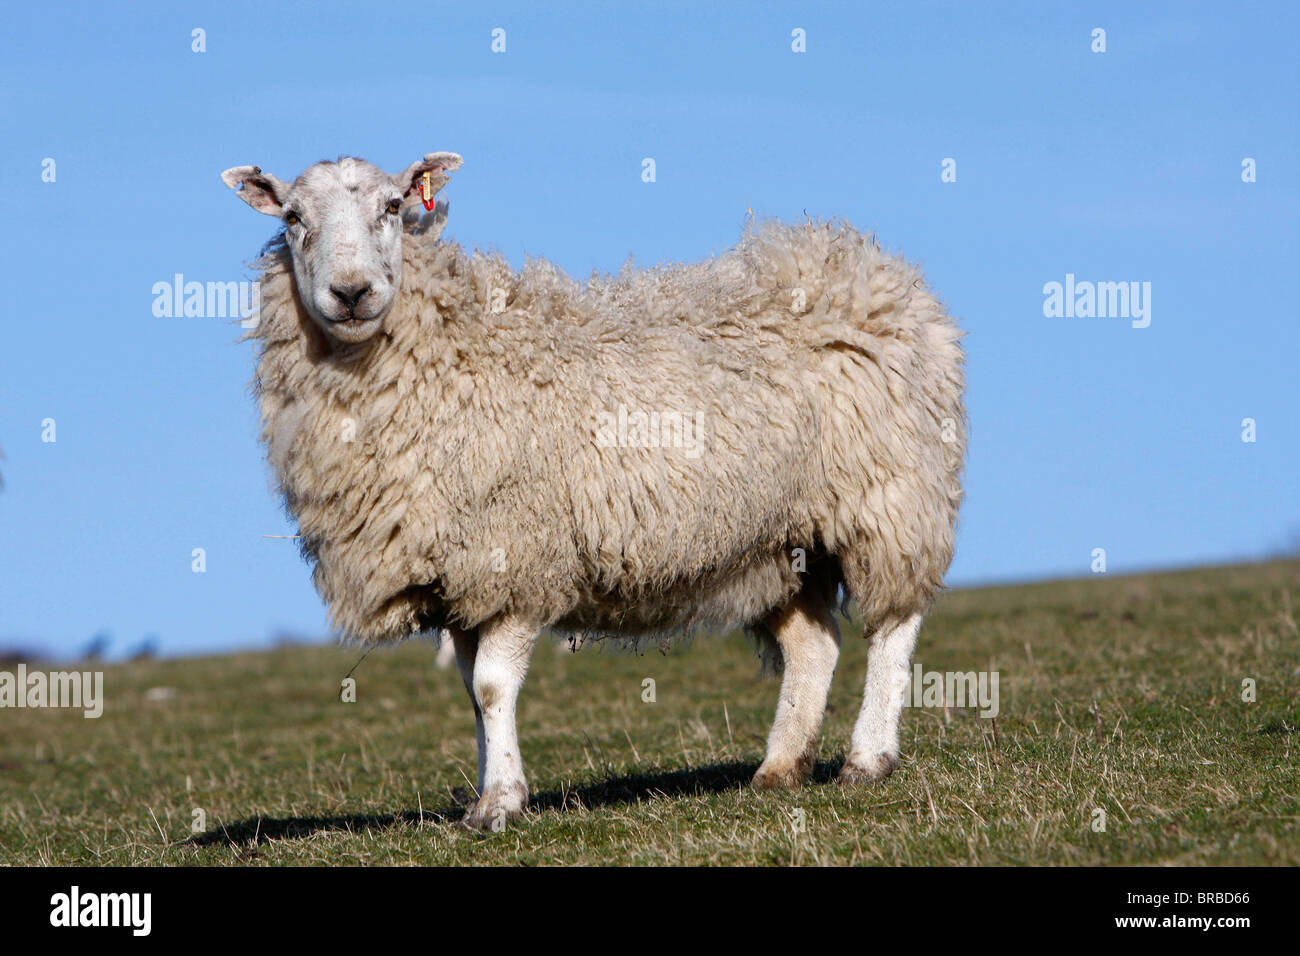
x: 749, y: 441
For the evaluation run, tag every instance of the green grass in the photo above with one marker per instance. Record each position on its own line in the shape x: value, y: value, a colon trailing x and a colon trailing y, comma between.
x: 1119, y: 694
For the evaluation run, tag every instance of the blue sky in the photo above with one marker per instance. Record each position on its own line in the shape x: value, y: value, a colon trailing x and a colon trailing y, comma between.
x: 1085, y: 432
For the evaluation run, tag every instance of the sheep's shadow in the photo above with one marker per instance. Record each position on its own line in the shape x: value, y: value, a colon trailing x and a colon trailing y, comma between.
x: 616, y: 791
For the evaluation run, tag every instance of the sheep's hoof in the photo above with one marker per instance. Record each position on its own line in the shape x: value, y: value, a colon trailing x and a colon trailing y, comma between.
x: 867, y: 769
x: 788, y: 776
x: 494, y: 810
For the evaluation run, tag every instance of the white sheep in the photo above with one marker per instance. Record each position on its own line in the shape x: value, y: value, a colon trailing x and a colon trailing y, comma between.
x: 496, y: 452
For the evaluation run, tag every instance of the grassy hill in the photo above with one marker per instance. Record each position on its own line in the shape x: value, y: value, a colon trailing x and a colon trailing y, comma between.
x: 1119, y: 694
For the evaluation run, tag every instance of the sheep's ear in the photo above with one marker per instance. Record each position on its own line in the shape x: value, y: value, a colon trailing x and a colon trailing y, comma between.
x: 438, y: 165
x: 260, y: 190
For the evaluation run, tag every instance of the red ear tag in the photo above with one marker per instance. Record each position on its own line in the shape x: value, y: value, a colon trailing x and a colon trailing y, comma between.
x: 426, y: 191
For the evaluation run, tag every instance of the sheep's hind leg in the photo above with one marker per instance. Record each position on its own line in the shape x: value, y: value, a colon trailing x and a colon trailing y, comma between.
x: 810, y: 646
x: 873, y: 752
x: 493, y: 663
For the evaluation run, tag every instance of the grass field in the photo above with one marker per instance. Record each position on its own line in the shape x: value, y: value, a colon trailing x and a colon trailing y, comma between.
x: 1117, y: 694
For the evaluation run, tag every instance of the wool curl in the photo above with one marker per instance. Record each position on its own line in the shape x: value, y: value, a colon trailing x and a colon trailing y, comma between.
x: 486, y: 453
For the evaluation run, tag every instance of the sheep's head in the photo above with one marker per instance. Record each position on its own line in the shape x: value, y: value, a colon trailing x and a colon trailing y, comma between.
x: 343, y: 228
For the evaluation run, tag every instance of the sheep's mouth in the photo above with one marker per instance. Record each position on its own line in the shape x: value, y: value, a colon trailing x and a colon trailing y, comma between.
x: 353, y: 321
x: 351, y: 329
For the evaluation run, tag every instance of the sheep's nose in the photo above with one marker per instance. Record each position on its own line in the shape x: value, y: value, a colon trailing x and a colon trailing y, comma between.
x: 350, y: 295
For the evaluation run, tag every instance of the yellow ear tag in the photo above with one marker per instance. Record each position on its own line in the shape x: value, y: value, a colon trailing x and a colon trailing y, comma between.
x: 426, y: 190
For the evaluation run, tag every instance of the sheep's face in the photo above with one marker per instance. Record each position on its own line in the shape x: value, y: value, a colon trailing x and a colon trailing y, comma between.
x: 343, y: 226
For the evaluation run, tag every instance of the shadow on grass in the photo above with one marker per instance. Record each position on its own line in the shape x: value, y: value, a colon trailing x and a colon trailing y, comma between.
x: 616, y: 791
x: 259, y: 830
x: 1278, y: 727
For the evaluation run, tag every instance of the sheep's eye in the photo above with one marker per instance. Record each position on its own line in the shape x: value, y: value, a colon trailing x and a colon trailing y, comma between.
x: 291, y: 218
x: 394, y: 207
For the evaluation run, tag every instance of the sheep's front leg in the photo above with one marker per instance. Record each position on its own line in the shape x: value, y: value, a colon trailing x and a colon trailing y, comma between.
x: 810, y: 646
x: 873, y: 751
x: 493, y: 663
